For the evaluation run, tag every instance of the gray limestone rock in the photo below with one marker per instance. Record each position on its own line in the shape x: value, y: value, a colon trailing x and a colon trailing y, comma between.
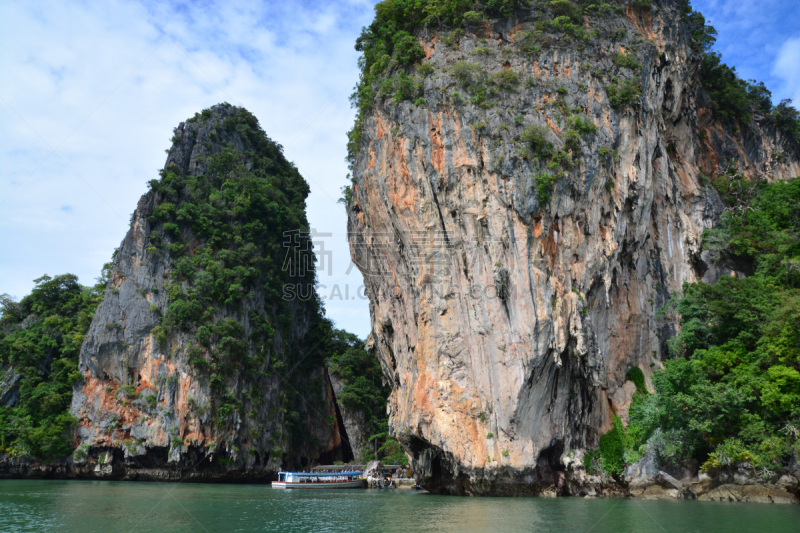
x: 498, y: 309
x: 644, y: 472
x: 748, y: 493
x: 668, y: 480
x: 9, y: 388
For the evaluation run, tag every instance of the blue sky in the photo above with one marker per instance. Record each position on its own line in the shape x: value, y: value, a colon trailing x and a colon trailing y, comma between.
x: 104, y: 83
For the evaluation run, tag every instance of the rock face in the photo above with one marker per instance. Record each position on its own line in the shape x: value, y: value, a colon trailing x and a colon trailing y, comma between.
x: 505, y: 320
x: 162, y: 397
x: 352, y: 420
x: 9, y: 387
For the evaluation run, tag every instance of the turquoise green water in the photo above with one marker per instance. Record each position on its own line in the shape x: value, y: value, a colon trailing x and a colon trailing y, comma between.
x: 105, y: 506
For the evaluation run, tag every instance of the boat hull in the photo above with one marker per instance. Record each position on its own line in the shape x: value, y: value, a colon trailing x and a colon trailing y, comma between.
x: 357, y: 484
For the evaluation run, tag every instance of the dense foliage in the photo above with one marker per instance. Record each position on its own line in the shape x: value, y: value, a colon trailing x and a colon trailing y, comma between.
x: 362, y: 377
x: 731, y: 393
x: 738, y: 100
x: 728, y: 92
x: 238, y: 210
x: 40, y: 338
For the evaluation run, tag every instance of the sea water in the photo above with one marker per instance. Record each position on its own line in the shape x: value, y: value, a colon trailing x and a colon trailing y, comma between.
x: 109, y: 506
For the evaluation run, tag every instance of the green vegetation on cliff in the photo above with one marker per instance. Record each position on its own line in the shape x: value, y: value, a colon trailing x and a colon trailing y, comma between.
x: 390, y: 47
x: 735, y: 99
x: 238, y: 211
x: 738, y: 100
x: 224, y: 234
x: 362, y: 377
x: 40, y: 338
x: 731, y: 393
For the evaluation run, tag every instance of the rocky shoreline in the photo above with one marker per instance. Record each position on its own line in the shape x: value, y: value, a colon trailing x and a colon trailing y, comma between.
x: 740, y: 484
x: 20, y: 468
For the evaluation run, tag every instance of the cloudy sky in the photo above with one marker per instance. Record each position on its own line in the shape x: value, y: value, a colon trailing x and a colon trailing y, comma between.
x: 90, y: 92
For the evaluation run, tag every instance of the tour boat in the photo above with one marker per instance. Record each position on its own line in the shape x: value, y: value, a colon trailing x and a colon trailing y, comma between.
x: 319, y: 480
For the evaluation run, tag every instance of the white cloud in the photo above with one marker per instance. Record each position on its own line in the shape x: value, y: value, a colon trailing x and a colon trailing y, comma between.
x: 99, y: 82
x: 787, y: 67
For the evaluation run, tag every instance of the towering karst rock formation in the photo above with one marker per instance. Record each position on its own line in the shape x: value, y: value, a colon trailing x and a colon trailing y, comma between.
x: 195, y: 365
x: 523, y: 204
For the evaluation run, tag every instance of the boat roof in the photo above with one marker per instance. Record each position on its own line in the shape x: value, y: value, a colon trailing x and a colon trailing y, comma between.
x: 338, y: 467
x: 352, y: 467
x: 324, y: 474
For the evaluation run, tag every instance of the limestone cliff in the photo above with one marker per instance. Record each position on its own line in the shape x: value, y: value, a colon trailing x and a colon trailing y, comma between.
x: 517, y: 243
x: 194, y: 365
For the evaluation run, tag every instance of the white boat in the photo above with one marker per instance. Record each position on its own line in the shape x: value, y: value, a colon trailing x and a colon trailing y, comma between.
x: 319, y: 480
